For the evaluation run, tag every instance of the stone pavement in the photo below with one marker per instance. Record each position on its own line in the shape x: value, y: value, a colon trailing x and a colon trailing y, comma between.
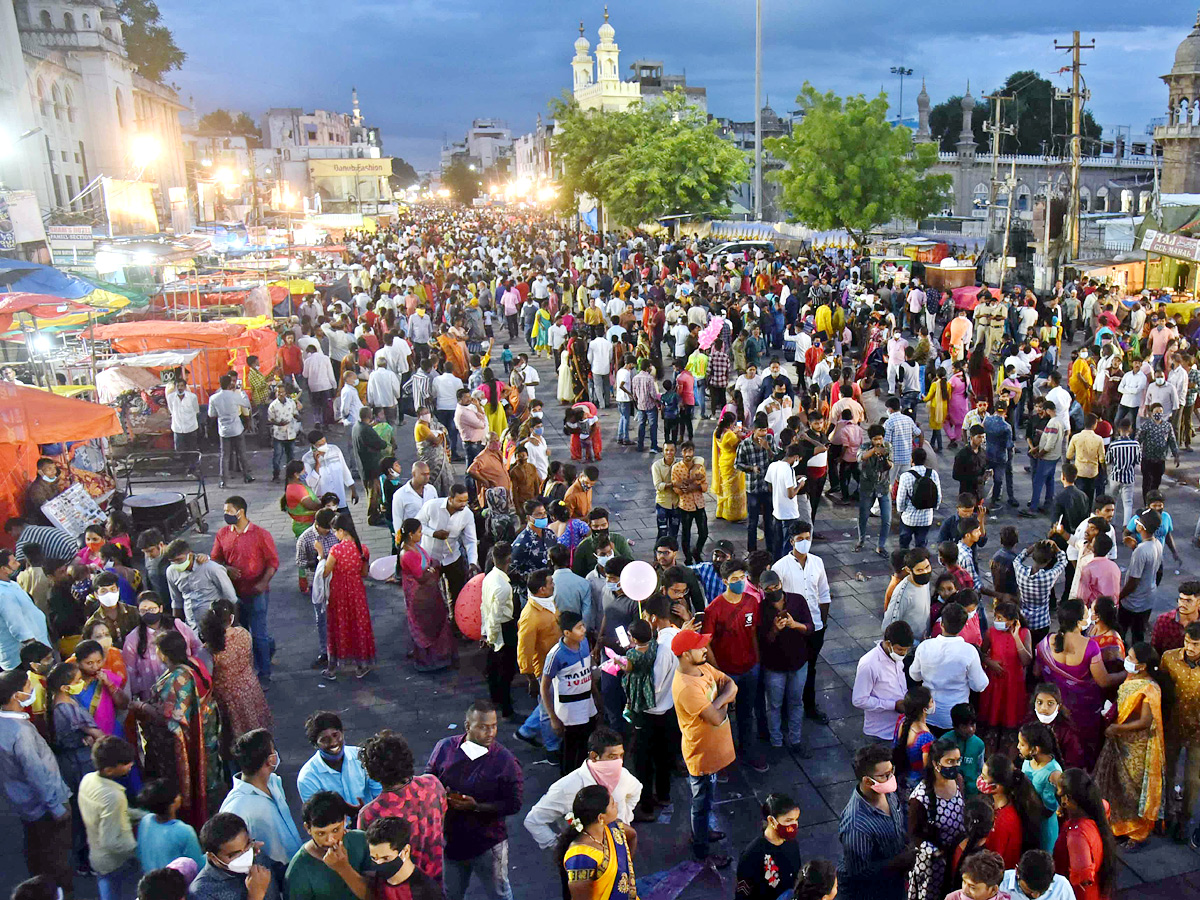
x: 426, y: 708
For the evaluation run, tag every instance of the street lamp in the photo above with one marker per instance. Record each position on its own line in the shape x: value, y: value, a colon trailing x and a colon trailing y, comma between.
x: 902, y: 72
x: 144, y: 149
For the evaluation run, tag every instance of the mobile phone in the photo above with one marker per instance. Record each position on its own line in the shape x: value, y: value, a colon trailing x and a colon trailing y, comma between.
x: 623, y: 636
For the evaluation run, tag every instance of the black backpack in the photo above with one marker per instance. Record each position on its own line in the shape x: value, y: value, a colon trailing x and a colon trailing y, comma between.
x: 924, y: 492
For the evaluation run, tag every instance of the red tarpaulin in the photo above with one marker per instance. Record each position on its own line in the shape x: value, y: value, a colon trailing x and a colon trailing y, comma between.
x: 967, y: 297
x: 182, y: 299
x: 40, y: 306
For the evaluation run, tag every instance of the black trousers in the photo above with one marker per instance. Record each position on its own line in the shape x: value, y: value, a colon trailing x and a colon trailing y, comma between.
x: 456, y: 577
x: 655, y: 741
x: 688, y: 517
x: 501, y: 668
x: 815, y: 642
x: 574, y: 745
x: 686, y: 414
x: 48, y: 851
x: 815, y: 488
x: 1152, y: 475
x: 1133, y: 624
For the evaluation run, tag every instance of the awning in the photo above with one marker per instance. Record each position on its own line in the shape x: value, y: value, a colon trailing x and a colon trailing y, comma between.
x: 154, y: 359
x: 39, y: 306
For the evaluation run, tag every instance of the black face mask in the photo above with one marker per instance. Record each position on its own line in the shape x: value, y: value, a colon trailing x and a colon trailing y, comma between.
x: 389, y: 869
x: 773, y: 597
x: 151, y: 619
x: 921, y: 577
x: 601, y: 537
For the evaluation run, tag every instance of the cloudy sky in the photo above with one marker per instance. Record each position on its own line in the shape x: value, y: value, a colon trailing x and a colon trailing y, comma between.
x: 425, y: 68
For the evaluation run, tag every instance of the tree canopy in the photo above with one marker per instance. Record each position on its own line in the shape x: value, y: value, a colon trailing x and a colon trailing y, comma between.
x: 222, y: 121
x: 149, y: 44
x: 1043, y: 124
x: 848, y: 168
x: 463, y: 184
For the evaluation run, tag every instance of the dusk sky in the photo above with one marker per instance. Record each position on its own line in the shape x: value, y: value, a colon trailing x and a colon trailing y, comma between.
x: 425, y: 68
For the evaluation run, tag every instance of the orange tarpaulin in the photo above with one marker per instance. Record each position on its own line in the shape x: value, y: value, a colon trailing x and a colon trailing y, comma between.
x: 29, y: 417
x: 222, y: 345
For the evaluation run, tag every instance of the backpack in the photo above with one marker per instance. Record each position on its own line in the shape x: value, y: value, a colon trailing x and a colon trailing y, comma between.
x: 924, y: 492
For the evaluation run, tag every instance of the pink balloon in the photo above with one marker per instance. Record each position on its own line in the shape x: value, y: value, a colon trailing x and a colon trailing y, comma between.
x: 466, y: 608
x: 638, y: 580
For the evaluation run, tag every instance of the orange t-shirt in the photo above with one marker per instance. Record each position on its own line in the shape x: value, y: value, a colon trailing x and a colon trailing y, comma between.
x: 706, y: 748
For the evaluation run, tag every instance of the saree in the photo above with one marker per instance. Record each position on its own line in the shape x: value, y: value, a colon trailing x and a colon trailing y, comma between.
x: 425, y: 609
x: 433, y: 454
x: 456, y: 355
x: 608, y: 871
x: 301, y: 518
x: 581, y: 369
x: 541, y: 330
x: 957, y: 409
x: 1081, y: 695
x: 1129, y: 772
x: 488, y: 471
x: 1080, y: 382
x: 729, y: 485
x: 185, y: 746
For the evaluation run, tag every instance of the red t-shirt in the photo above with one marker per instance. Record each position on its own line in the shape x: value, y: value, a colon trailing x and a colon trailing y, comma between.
x: 733, y: 627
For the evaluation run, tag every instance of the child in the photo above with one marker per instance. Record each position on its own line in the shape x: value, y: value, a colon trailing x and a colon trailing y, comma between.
x: 506, y: 357
x: 975, y: 629
x: 1034, y: 879
x: 982, y: 874
x: 1047, y: 708
x: 638, y: 680
x: 671, y: 404
x: 105, y: 813
x: 1036, y: 745
x: 72, y: 732
x: 1007, y: 654
x: 944, y: 589
x: 962, y: 718
x: 948, y: 557
x: 161, y: 837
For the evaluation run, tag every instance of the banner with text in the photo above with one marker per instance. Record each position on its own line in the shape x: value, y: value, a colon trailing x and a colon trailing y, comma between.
x: 353, y: 168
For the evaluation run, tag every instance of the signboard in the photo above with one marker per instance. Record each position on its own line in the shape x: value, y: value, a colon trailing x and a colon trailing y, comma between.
x: 20, y: 219
x: 8, y: 239
x: 353, y: 168
x: 71, y: 245
x: 73, y: 510
x: 1173, y: 245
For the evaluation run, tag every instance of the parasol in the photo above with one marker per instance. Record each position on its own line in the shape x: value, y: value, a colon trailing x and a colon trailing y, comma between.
x: 711, y: 332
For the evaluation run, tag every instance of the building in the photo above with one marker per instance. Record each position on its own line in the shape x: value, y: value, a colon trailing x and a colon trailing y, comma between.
x: 742, y: 135
x: 96, y: 141
x: 597, y: 84
x: 1179, y: 134
x: 488, y: 145
x: 654, y: 85
x: 532, y: 153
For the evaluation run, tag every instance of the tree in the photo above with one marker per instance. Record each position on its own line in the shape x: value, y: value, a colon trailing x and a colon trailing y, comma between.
x: 150, y: 46
x: 403, y: 175
x: 462, y: 182
x: 1043, y: 123
x: 585, y: 142
x: 848, y: 168
x: 223, y: 122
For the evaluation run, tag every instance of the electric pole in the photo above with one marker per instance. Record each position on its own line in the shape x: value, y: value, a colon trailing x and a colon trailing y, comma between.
x: 1011, y: 182
x: 996, y: 130
x: 1077, y: 96
x: 758, y: 147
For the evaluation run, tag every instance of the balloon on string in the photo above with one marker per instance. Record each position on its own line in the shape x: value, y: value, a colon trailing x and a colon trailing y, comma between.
x: 638, y: 580
x: 467, y: 614
x: 383, y: 568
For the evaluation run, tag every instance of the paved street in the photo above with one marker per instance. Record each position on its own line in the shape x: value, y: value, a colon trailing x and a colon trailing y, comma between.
x: 426, y: 708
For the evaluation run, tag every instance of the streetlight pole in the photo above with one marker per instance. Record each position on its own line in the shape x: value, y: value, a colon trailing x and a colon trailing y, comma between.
x: 758, y: 148
x: 901, y: 71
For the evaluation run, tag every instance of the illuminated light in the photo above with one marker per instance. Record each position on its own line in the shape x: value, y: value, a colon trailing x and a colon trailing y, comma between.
x: 41, y: 342
x: 144, y: 149
x: 444, y: 193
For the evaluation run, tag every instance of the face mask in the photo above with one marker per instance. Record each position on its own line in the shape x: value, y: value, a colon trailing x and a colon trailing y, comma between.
x: 986, y: 787
x: 773, y: 597
x: 230, y: 519
x: 602, y: 561
x: 738, y: 586
x: 108, y: 599
x: 1160, y: 381
x: 898, y: 657
x: 886, y: 787
x: 27, y: 702
x: 389, y: 869
x: 1130, y: 666
x: 1045, y: 718
x: 240, y: 864
x: 74, y: 689
x: 1083, y: 354
x: 538, y: 430
x: 601, y: 536
x: 802, y: 546
x: 1000, y: 626
x: 541, y: 523
x: 332, y: 757
x: 949, y: 772
x: 787, y: 832
x: 535, y: 415
x: 105, y: 642
x: 606, y: 772
x: 151, y: 619
x: 50, y: 478
x: 972, y: 614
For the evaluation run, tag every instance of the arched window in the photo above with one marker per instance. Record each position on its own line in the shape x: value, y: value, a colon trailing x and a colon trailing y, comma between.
x: 68, y: 22
x: 1023, y: 195
x: 1101, y: 200
x: 108, y: 32
x: 45, y: 19
x: 1143, y: 204
x: 56, y: 98
x: 120, y: 110
x: 979, y: 197
x: 70, y: 101
x: 87, y: 21
x: 1085, y: 199
x: 43, y: 106
x: 1184, y: 115
x: 1126, y: 200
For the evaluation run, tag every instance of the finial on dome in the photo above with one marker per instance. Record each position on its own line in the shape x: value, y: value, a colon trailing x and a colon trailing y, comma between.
x: 581, y: 27
x: 606, y: 13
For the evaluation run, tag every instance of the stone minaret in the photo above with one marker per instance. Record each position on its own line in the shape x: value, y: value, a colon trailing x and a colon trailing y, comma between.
x: 966, y: 137
x: 582, y: 63
x: 1180, y: 137
x: 922, y: 136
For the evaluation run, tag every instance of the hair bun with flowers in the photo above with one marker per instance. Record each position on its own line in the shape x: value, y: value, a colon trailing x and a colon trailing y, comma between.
x: 574, y: 822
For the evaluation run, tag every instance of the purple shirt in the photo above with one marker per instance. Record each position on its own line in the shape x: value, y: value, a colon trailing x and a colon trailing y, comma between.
x: 878, y: 684
x: 495, y: 777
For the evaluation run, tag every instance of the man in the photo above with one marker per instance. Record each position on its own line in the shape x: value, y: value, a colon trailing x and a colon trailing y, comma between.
x: 326, y: 472
x: 1037, y: 568
x: 283, y: 414
x: 537, y: 634
x: 1086, y: 451
x: 531, y: 547
x: 1123, y: 459
x: 1071, y: 505
x: 472, y: 424
x: 499, y: 628
x: 1137, y: 594
x: 732, y: 622
x: 1157, y: 439
x: 336, y: 765
x: 666, y: 501
x: 970, y: 463
x: 484, y: 785
x: 879, y: 682
x: 1182, y: 665
x: 788, y: 500
x: 1169, y: 627
x: 257, y: 797
x: 624, y: 397
x: 578, y: 497
x: 234, y: 868
x: 573, y: 592
x: 568, y: 691
x: 248, y: 553
x: 412, y: 495
x: 899, y: 431
x: 646, y: 398
x: 194, y: 584
x: 55, y: 543
x: 333, y: 862
x: 1045, y: 455
x: 999, y: 445
x: 445, y: 389
x: 320, y: 532
x: 389, y: 841
x: 605, y: 759
x: 910, y: 600
x: 702, y: 695
x: 754, y: 458
x: 949, y: 667
x: 45, y: 487
x: 227, y: 406
x: 448, y: 536
x: 874, y: 468
x: 185, y: 416
x: 599, y: 356
x: 600, y: 536
x: 918, y: 494
x: 383, y: 391
x: 691, y: 483
x: 322, y: 383
x: 803, y: 573
x: 33, y: 784
x: 20, y: 619
x: 154, y: 568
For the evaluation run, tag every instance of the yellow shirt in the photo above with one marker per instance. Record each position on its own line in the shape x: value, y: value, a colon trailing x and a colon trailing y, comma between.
x: 537, y: 633
x: 664, y: 489
x: 1086, y: 450
x: 706, y: 748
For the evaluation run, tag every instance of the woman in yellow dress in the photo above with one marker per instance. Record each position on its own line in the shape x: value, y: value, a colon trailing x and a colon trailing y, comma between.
x: 597, y: 849
x: 1081, y: 379
x: 729, y: 485
x: 937, y: 399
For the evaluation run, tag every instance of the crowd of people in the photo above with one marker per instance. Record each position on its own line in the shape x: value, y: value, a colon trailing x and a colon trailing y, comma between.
x: 1024, y: 722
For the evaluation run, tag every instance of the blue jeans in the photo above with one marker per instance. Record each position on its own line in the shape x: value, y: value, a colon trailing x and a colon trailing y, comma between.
x: 785, y: 690
x: 121, y: 883
x: 1001, y: 477
x: 491, y: 869
x: 743, y: 712
x: 758, y: 504
x: 252, y: 615
x: 667, y: 521
x: 281, y: 453
x: 910, y: 532
x: 647, y: 417
x: 866, y: 500
x: 613, y: 696
x: 1043, y: 475
x: 704, y: 790
x: 538, y: 724
x: 701, y: 395
x: 625, y: 408
x: 319, y: 614
x: 446, y: 417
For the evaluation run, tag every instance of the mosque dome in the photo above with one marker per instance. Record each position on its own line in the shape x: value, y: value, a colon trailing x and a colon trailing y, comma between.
x: 606, y: 31
x: 1187, y: 56
x: 582, y: 46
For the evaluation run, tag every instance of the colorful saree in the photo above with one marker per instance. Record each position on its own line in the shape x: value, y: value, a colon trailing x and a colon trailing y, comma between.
x: 1081, y: 695
x: 186, y: 745
x: 1130, y: 769
x: 428, y: 618
x: 608, y: 871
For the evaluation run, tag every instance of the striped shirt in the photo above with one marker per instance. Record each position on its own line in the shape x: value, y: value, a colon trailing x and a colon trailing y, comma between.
x: 909, y: 514
x: 570, y: 671
x: 899, y: 431
x: 1124, y: 457
x: 56, y: 544
x: 870, y: 840
x: 1035, y: 587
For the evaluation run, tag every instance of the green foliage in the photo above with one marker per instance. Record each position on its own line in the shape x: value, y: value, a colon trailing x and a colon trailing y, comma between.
x: 848, y: 168
x: 585, y: 142
x: 223, y: 122
x: 150, y: 45
x: 403, y: 175
x: 461, y: 181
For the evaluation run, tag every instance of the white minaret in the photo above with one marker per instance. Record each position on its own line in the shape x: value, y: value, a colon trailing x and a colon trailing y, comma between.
x: 607, y: 54
x: 582, y: 63
x: 922, y: 136
x: 357, y: 113
x: 966, y: 137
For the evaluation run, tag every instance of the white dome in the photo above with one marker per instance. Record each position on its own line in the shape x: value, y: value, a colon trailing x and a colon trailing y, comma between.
x: 607, y: 33
x: 582, y: 46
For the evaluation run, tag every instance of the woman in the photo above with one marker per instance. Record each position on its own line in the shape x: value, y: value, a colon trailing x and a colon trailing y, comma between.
x: 179, y: 727
x: 493, y: 401
x: 557, y: 481
x: 139, y: 653
x: 102, y: 633
x: 488, y: 469
x: 597, y: 849
x: 541, y: 331
x: 979, y: 819
x: 236, y: 689
x: 434, y: 647
x: 767, y: 869
x: 1019, y: 810
x: 1072, y: 660
x: 567, y: 531
x: 1086, y: 851
x: 729, y: 485
x: 102, y: 691
x: 982, y: 374
x: 526, y: 483
x: 1081, y: 379
x: 298, y: 500
x: 817, y: 881
x: 935, y: 821
x: 1106, y: 632
x: 581, y: 369
x: 566, y: 390
x: 956, y: 409
x: 1037, y: 747
x: 351, y: 638
x: 1129, y: 772
x: 910, y: 745
x: 89, y: 553
x: 430, y: 437
x: 1046, y: 706
x: 938, y: 400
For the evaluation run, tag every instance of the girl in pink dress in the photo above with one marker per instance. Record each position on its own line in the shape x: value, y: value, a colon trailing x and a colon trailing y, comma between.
x: 351, y: 638
x: 957, y: 410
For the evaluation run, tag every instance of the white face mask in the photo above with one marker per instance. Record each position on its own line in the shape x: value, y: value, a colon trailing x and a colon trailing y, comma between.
x: 1000, y: 626
x: 240, y: 864
x: 108, y: 599
x: 896, y: 656
x: 28, y: 701
x: 1130, y: 666
x: 803, y: 546
x: 1047, y: 719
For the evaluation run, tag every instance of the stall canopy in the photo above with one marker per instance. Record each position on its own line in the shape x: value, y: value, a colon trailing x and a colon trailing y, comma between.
x: 29, y: 417
x: 42, y: 307
x: 19, y: 276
